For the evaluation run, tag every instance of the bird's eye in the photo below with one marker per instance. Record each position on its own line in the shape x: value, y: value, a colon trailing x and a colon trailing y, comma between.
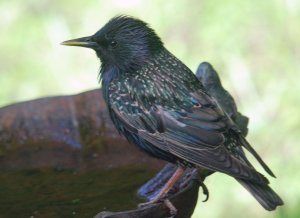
x: 113, y: 43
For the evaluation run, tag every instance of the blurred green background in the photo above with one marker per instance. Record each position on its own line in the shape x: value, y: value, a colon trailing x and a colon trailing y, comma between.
x: 254, y: 45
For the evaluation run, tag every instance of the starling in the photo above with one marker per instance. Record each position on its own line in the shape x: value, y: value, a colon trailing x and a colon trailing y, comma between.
x: 212, y: 83
x: 158, y: 104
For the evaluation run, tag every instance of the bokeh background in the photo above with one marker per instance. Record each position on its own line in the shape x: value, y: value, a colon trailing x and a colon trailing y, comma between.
x: 253, y: 44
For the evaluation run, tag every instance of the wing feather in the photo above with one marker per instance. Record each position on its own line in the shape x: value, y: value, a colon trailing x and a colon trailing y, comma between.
x: 194, y: 134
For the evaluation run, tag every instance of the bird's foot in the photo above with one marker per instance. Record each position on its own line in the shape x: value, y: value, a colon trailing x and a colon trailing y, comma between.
x: 172, y: 208
x: 153, y: 201
x: 162, y: 199
x: 201, y: 183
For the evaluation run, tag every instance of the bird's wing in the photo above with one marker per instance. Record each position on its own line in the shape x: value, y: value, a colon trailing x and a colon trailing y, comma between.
x: 195, y: 135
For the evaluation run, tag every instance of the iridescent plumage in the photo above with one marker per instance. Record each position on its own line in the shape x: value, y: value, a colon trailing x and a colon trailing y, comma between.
x: 158, y: 104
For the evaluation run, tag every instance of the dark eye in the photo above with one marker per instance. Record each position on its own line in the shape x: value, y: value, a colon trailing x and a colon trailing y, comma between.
x: 113, y: 43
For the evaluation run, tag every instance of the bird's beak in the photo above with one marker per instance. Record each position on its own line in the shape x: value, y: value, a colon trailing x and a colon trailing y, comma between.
x: 82, y: 42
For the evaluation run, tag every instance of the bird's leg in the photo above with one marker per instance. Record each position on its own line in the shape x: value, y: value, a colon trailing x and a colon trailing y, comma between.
x: 164, y: 191
x: 188, y: 178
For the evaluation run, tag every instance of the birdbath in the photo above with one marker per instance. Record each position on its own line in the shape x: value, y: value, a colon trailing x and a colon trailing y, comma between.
x: 63, y: 164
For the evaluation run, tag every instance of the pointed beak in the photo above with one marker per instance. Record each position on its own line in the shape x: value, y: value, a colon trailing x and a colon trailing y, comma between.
x: 82, y: 42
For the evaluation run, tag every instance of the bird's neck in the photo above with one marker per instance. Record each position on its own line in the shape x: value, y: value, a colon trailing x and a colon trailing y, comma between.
x: 110, y: 72
x: 107, y: 75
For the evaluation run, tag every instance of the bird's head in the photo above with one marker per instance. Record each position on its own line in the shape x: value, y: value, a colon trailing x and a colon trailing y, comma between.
x: 124, y: 43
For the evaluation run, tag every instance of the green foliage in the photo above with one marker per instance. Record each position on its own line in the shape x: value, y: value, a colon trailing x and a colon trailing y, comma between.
x: 254, y: 45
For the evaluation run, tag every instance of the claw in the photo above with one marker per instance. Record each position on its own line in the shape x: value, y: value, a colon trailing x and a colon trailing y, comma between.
x: 149, y: 203
x: 204, y: 190
x: 158, y: 200
x: 165, y: 200
x: 172, y: 208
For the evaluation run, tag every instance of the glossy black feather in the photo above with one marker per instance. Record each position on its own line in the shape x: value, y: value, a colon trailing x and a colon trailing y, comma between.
x: 212, y: 83
x: 176, y: 101
x: 263, y: 194
x: 158, y: 104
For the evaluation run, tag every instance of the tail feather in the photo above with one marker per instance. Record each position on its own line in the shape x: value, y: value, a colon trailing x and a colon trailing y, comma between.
x: 258, y: 158
x: 263, y: 194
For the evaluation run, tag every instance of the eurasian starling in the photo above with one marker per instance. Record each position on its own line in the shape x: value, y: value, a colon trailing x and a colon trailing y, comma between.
x: 158, y: 104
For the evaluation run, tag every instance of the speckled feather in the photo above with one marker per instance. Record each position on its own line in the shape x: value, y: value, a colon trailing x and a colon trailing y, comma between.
x: 158, y: 104
x: 164, y: 109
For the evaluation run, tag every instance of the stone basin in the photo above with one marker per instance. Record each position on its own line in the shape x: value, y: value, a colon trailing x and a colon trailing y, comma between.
x: 61, y: 157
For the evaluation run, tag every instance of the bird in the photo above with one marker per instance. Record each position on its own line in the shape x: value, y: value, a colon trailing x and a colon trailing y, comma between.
x: 209, y: 78
x: 159, y: 105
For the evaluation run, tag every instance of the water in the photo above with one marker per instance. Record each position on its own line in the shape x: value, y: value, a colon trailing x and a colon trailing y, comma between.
x: 69, y: 193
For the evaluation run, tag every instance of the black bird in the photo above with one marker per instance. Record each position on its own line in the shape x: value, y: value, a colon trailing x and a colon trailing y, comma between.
x: 212, y: 84
x: 158, y: 104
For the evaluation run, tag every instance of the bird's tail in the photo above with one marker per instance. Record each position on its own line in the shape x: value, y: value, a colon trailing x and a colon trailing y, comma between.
x: 263, y: 194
